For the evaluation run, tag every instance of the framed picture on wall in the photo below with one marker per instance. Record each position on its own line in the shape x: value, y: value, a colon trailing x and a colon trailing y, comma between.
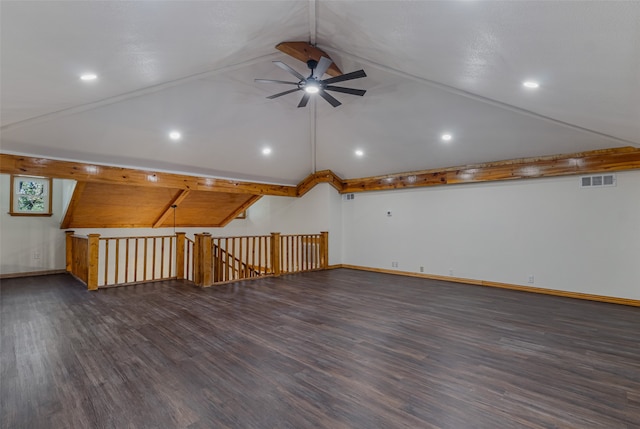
x: 30, y: 196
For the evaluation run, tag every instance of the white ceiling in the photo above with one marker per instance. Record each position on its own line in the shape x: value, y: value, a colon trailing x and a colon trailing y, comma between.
x: 432, y: 66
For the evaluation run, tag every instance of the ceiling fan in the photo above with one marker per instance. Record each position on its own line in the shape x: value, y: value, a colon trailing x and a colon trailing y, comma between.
x: 314, y: 83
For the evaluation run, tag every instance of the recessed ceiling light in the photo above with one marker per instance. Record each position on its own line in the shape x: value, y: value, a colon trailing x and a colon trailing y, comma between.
x: 175, y: 135
x: 89, y: 76
x: 446, y: 137
x: 530, y: 84
x: 266, y: 151
x: 359, y: 152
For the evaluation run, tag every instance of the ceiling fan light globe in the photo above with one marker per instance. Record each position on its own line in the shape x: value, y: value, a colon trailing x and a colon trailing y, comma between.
x: 311, y: 89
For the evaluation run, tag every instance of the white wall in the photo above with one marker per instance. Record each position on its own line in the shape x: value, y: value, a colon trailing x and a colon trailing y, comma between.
x: 30, y: 244
x: 568, y: 238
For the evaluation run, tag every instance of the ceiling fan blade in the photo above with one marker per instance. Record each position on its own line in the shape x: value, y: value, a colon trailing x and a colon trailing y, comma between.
x: 351, y: 91
x: 353, y: 75
x: 285, y: 67
x: 275, y: 81
x: 283, y: 93
x: 322, y: 67
x: 304, y: 100
x: 329, y: 98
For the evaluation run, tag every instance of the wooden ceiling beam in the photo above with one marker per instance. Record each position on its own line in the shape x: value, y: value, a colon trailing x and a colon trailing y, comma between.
x: 599, y: 161
x: 168, y: 209
x: 17, y: 164
x: 239, y: 210
x: 324, y: 176
x: 304, y: 51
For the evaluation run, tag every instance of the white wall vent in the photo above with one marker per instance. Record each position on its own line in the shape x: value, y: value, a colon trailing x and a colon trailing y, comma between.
x: 598, y: 181
x: 348, y: 197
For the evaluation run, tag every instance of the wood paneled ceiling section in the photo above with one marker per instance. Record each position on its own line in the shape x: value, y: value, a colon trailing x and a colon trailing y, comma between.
x: 100, y: 205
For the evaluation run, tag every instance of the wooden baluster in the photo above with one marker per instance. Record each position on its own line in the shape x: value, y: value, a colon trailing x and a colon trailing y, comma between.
x: 260, y: 256
x: 253, y: 256
x: 117, y: 262
x: 217, y: 268
x: 238, y: 258
x: 189, y: 261
x: 294, y: 253
x: 299, y: 251
x: 246, y: 257
x: 161, y: 257
x: 285, y: 249
x: 223, y: 255
x: 144, y: 267
x: 263, y: 255
x: 126, y: 261
x: 289, y: 253
x: 135, y: 260
x: 153, y: 260
x: 170, y: 260
x: 308, y: 252
x: 106, y: 261
x: 229, y: 257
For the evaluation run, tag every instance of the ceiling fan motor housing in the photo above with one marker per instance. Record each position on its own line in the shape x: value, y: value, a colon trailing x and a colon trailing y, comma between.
x: 312, y: 64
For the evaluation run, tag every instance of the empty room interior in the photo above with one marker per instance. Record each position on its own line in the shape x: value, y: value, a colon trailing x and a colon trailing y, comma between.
x: 320, y: 214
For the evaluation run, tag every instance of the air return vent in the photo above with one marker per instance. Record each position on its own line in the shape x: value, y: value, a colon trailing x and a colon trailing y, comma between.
x: 348, y: 197
x: 598, y: 181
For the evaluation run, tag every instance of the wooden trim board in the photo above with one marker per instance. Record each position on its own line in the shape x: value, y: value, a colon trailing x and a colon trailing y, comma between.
x: 555, y: 292
x: 31, y: 274
x: 32, y: 166
x: 597, y: 161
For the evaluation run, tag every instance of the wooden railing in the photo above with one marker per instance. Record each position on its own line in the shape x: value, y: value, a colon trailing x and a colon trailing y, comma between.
x: 109, y: 261
x: 125, y: 260
x: 236, y: 258
x: 301, y: 253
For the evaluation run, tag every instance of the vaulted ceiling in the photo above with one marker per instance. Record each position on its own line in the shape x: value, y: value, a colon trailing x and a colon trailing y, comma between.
x: 432, y: 67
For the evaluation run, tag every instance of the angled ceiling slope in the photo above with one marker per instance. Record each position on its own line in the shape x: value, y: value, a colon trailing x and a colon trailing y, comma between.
x: 100, y: 205
x: 452, y: 67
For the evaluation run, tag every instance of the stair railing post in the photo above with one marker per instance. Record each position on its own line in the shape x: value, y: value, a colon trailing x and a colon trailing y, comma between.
x: 202, y: 260
x: 93, y: 259
x: 180, y: 246
x: 324, y: 250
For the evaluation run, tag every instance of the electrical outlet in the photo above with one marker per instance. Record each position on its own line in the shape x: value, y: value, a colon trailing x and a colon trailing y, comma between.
x: 394, y: 265
x: 531, y: 278
x: 36, y: 255
x: 450, y: 272
x: 422, y: 269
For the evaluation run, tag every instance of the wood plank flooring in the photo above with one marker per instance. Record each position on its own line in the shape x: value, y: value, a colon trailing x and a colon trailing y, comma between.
x: 330, y: 349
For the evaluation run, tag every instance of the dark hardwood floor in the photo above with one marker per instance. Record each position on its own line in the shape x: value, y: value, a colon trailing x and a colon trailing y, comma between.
x: 332, y: 349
